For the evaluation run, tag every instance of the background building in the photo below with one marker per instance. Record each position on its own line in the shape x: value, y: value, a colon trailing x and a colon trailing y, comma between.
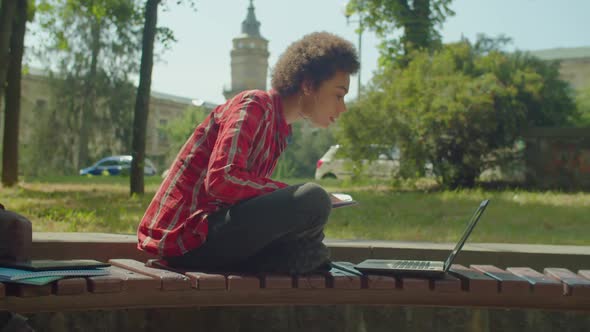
x: 249, y: 58
x: 37, y: 97
x: 574, y: 64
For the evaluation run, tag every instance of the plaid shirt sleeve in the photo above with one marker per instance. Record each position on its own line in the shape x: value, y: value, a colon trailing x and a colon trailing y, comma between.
x: 228, y: 178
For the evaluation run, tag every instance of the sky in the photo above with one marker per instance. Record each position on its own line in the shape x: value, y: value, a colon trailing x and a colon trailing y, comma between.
x: 198, y: 64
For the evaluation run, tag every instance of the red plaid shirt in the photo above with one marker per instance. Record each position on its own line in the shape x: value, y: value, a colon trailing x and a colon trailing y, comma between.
x: 229, y: 158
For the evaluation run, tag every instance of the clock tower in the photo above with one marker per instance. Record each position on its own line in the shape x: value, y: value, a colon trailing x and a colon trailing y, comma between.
x: 249, y: 58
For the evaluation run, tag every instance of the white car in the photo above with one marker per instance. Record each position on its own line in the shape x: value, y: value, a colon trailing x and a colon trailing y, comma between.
x: 332, y: 165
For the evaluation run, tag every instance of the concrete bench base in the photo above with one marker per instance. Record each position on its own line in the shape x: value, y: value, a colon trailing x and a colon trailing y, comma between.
x: 325, y: 318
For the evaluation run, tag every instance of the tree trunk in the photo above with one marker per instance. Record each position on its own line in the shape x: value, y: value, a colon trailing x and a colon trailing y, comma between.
x: 7, y: 11
x: 13, y: 92
x: 89, y: 103
x: 142, y: 100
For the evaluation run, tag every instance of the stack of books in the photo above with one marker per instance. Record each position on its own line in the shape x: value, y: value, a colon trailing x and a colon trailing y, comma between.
x: 41, y: 272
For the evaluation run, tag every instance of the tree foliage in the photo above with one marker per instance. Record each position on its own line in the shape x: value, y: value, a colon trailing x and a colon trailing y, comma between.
x: 583, y: 103
x: 418, y: 21
x: 457, y: 107
x: 178, y: 130
x: 305, y: 147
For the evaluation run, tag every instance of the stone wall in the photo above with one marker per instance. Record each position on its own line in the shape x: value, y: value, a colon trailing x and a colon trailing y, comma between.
x: 338, y: 318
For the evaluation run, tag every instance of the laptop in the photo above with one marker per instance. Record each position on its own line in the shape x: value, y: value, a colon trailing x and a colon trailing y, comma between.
x: 418, y: 267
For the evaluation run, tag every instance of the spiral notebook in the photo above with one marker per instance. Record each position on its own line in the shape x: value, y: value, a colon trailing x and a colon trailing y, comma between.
x: 9, y: 274
x: 38, y: 281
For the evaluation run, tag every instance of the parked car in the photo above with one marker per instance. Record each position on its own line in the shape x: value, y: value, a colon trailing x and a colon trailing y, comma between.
x: 116, y: 165
x: 384, y: 163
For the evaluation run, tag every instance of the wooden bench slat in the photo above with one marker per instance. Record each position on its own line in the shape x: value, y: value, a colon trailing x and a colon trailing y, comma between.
x: 105, y: 284
x: 277, y: 281
x: 414, y: 284
x: 446, y: 284
x: 509, y: 283
x: 237, y: 282
x: 584, y: 273
x: 313, y: 281
x: 132, y: 281
x: 70, y: 286
x: 24, y: 290
x: 474, y: 280
x: 206, y: 281
x: 576, y: 285
x: 541, y: 284
x: 380, y: 282
x: 169, y: 280
x: 159, y: 264
x: 199, y: 279
x: 343, y: 279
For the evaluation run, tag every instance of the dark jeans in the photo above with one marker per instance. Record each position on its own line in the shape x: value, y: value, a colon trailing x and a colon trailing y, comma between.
x: 278, y: 232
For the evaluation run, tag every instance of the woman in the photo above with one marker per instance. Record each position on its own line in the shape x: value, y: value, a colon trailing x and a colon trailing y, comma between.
x: 218, y: 209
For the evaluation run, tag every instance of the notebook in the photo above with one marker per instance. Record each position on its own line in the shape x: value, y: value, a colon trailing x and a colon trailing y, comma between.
x: 51, y: 265
x: 340, y: 200
x: 419, y: 267
x: 38, y: 281
x: 9, y: 274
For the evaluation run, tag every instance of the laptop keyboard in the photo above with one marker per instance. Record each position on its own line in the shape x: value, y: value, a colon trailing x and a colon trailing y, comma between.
x: 413, y: 265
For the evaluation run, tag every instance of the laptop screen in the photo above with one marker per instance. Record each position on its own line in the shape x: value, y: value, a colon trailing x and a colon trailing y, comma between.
x: 468, y: 231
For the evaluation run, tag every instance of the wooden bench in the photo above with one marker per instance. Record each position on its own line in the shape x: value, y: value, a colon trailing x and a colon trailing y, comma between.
x: 132, y: 284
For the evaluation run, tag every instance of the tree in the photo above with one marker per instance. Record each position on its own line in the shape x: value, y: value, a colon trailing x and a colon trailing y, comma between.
x: 418, y: 20
x: 142, y: 99
x: 7, y: 10
x: 140, y: 118
x: 13, y: 94
x: 458, y: 106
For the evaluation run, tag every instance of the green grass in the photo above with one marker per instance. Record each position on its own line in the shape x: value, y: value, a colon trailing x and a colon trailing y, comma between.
x: 103, y: 204
x: 512, y: 216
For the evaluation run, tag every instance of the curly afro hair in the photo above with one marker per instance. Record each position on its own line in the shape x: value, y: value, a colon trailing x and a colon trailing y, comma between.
x: 316, y: 57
